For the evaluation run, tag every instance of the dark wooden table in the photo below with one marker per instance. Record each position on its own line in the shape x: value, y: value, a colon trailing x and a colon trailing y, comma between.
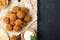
x: 49, y: 20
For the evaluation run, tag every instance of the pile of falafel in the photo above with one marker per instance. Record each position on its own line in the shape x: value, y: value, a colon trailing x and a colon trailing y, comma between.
x: 17, y: 18
x: 14, y: 37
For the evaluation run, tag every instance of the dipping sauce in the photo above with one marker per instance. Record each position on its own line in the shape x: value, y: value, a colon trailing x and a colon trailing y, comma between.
x: 27, y: 35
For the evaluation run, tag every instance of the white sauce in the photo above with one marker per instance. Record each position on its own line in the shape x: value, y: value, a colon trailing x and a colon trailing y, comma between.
x: 27, y: 35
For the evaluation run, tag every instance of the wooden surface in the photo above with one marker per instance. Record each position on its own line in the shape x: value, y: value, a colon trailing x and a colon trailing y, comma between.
x: 34, y: 9
x: 32, y: 2
x: 34, y: 6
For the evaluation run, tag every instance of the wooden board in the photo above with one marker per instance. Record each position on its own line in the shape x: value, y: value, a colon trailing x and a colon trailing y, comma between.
x: 33, y: 24
x: 35, y: 10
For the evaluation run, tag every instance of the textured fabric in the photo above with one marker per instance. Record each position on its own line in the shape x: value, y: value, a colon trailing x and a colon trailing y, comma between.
x: 49, y: 20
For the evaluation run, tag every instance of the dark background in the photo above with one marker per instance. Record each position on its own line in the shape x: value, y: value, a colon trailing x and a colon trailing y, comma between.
x: 49, y: 19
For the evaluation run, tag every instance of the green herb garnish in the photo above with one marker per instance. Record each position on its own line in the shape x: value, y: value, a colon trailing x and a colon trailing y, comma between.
x: 32, y: 37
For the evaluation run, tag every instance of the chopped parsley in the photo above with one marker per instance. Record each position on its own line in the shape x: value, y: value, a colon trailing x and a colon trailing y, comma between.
x: 32, y: 38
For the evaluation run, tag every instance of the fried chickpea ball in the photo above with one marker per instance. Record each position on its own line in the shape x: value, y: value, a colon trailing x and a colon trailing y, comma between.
x: 12, y: 22
x: 20, y: 14
x: 15, y: 9
x: 24, y: 24
x: 16, y: 28
x: 6, y: 20
x: 25, y: 10
x: 18, y: 22
x: 13, y: 17
x: 14, y: 37
x: 27, y: 18
x: 9, y: 13
x: 9, y: 27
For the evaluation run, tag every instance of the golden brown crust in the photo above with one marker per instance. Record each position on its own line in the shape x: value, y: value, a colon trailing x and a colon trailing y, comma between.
x: 6, y: 20
x: 9, y: 13
x: 12, y: 22
x: 13, y: 17
x: 14, y: 37
x: 16, y: 28
x: 27, y: 18
x: 16, y: 9
x: 18, y: 22
x: 20, y: 14
x: 25, y: 10
x: 9, y: 27
x: 23, y: 24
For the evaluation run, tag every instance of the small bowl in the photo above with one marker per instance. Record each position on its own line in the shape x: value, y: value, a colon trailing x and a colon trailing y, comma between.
x: 5, y: 5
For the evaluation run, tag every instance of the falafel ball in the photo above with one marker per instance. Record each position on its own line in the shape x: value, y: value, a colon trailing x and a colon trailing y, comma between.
x: 16, y: 28
x: 14, y: 37
x: 6, y: 20
x: 18, y: 22
x: 9, y: 27
x: 20, y: 14
x: 12, y: 22
x: 15, y: 9
x: 25, y: 10
x: 24, y: 24
x: 27, y: 18
x: 13, y: 17
x: 9, y: 13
